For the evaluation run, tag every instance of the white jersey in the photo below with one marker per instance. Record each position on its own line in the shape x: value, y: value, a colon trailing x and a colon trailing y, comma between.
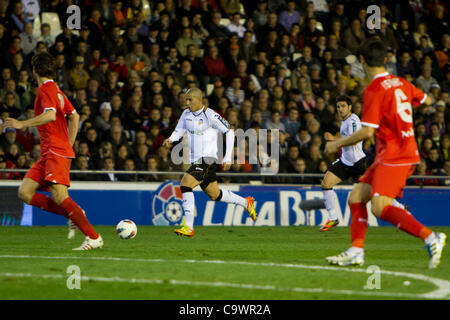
x: 203, y: 127
x: 351, y: 154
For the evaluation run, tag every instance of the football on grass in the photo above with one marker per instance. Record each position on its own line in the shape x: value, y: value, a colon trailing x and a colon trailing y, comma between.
x: 126, y: 229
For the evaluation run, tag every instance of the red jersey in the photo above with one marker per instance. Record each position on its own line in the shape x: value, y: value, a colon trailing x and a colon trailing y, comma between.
x: 54, y: 135
x: 387, y: 106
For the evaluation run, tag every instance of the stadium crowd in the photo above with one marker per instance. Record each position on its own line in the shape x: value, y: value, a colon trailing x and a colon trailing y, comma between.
x: 265, y: 64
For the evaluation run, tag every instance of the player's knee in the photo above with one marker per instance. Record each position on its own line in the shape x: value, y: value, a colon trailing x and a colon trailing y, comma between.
x: 352, y: 198
x: 216, y: 196
x: 356, y: 197
x: 326, y: 185
x: 59, y: 196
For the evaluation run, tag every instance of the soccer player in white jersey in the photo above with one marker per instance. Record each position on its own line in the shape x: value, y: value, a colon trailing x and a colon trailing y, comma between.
x: 203, y: 126
x: 351, y: 164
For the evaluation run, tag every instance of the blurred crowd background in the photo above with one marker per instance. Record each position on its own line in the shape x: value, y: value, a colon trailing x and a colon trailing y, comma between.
x: 263, y: 64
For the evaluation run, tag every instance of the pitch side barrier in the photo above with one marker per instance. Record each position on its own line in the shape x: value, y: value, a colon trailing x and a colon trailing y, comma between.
x: 160, y: 204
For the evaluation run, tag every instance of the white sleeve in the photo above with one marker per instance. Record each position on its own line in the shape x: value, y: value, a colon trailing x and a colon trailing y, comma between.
x: 179, y: 131
x: 356, y: 124
x: 220, y: 123
x: 229, y: 146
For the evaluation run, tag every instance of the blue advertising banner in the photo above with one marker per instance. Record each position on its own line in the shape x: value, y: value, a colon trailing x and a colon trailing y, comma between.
x: 275, y: 205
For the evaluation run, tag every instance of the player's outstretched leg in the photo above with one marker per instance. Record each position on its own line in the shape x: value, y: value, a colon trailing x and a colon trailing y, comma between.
x: 230, y: 197
x: 217, y: 194
x: 404, y: 220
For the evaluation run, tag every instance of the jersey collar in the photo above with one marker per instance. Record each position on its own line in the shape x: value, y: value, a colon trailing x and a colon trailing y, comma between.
x: 200, y: 111
x: 384, y: 74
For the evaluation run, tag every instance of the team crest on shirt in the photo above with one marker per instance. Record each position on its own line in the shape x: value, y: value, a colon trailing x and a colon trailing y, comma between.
x: 167, y: 204
x: 200, y: 122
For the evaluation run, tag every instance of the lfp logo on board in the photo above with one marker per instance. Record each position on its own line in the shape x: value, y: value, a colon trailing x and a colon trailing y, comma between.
x: 167, y: 206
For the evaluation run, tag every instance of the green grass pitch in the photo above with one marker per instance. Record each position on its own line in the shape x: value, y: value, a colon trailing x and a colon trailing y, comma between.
x: 219, y: 263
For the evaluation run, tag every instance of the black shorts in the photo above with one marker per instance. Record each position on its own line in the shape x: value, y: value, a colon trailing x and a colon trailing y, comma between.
x: 204, y: 170
x: 344, y: 172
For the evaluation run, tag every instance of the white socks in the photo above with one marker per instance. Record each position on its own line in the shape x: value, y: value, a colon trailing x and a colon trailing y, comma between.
x: 330, y: 199
x: 230, y: 197
x: 356, y: 250
x: 188, y: 206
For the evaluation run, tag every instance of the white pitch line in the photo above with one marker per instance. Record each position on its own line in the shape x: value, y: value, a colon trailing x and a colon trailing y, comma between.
x: 213, y: 284
x: 442, y: 291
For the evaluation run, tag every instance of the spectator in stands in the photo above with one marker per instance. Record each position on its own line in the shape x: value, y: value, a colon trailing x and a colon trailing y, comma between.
x: 434, y: 162
x: 422, y: 170
x: 445, y: 148
x: 151, y: 165
x: 78, y: 76
x: 425, y: 80
x: 28, y: 40
x: 215, y: 29
x: 235, y: 25
x: 445, y: 171
x: 10, y: 105
x: 404, y: 36
x: 353, y: 36
x: 289, y: 16
x: 234, y: 93
x: 215, y: 65
x: 81, y: 163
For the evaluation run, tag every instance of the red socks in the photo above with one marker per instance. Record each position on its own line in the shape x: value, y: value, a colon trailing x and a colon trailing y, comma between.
x: 46, y: 203
x: 77, y: 216
x: 404, y: 221
x: 358, y: 225
x: 68, y: 209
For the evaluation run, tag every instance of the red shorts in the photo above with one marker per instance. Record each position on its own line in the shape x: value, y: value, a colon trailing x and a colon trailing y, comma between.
x: 50, y: 169
x: 387, y: 180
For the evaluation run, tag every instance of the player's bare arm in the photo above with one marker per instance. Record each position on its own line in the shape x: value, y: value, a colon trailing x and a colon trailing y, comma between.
x: 329, y: 137
x: 72, y: 126
x: 364, y: 133
x: 46, y: 117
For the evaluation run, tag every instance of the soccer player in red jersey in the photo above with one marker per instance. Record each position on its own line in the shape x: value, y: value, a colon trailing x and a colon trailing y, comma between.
x: 387, y: 113
x: 57, y: 135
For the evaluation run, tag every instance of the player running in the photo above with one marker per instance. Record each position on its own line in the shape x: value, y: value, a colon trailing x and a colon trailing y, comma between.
x: 387, y: 113
x: 351, y: 164
x: 203, y: 125
x: 52, y: 171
